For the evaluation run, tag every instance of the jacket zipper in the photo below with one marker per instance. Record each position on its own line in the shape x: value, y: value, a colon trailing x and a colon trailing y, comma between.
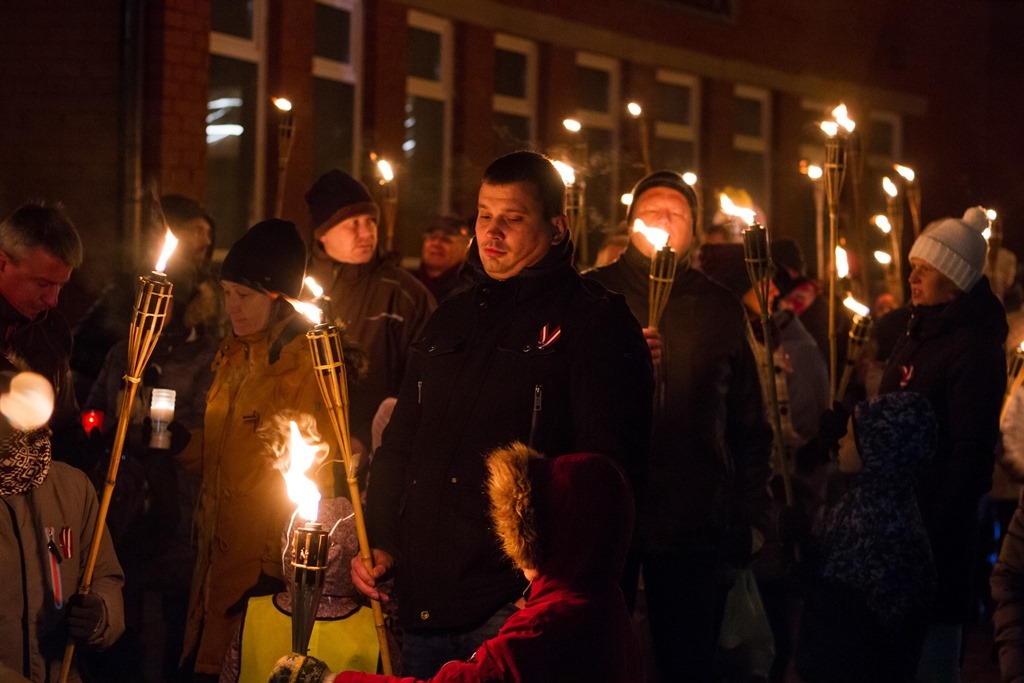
x: 538, y: 396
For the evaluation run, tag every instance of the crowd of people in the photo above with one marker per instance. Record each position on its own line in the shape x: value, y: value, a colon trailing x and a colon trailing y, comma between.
x: 550, y: 471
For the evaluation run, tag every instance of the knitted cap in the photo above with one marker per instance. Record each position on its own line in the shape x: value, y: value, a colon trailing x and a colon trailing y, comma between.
x: 336, y: 196
x: 669, y: 179
x: 269, y: 257
x: 955, y: 247
x: 725, y: 264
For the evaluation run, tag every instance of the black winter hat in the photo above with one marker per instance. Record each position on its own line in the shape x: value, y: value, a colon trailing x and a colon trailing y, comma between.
x: 669, y: 179
x: 336, y: 196
x: 270, y: 257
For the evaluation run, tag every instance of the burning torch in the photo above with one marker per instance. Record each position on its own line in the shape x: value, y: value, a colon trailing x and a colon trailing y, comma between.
x: 152, y: 302
x: 390, y: 202
x: 329, y: 366
x: 913, y: 192
x: 860, y: 331
x: 285, y: 137
x: 310, y: 542
x: 834, y: 174
x: 1014, y: 378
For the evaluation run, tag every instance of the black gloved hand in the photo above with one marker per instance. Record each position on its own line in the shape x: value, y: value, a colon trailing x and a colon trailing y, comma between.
x: 85, y: 616
x: 180, y: 437
x: 832, y: 426
x: 265, y: 585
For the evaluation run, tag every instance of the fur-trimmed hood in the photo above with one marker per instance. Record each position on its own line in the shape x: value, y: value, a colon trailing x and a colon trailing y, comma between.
x: 570, y: 517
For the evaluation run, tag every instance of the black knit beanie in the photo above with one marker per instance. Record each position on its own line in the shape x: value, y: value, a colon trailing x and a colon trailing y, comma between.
x: 336, y: 196
x: 669, y: 179
x: 270, y: 257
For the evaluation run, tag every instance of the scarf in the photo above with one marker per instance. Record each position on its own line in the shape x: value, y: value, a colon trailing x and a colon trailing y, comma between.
x: 24, y: 460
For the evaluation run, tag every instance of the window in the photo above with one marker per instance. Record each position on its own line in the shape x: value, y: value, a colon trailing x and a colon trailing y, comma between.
x: 427, y: 121
x: 234, y: 159
x: 675, y: 128
x: 596, y: 150
x: 336, y: 56
x: 751, y: 126
x: 515, y: 93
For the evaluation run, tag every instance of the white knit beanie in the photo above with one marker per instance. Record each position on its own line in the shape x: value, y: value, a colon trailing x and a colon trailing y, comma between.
x: 955, y: 247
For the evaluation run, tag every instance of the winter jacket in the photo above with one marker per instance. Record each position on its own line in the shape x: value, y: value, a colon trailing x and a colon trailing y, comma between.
x: 1008, y: 595
x: 574, y: 627
x: 243, y: 504
x: 36, y: 586
x: 706, y: 484
x: 545, y: 358
x: 953, y: 354
x: 383, y: 308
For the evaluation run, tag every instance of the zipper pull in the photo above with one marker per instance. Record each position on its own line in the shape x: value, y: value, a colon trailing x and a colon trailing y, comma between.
x: 538, y: 394
x: 52, y: 546
x: 419, y: 392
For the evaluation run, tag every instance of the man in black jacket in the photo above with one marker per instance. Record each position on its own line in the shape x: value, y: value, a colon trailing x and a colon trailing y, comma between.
x: 530, y: 352
x: 705, y: 505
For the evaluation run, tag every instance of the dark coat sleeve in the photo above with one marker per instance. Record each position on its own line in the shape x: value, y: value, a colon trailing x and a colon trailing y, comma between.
x: 1008, y: 594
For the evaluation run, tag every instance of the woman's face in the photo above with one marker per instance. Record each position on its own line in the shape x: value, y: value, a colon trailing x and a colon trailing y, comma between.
x: 248, y: 309
x: 929, y: 287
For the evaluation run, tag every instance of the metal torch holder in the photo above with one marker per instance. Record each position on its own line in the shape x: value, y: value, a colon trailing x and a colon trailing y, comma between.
x: 663, y: 274
x: 834, y: 172
x: 152, y: 304
x: 860, y: 331
x: 389, y: 202
x: 310, y: 546
x: 329, y: 368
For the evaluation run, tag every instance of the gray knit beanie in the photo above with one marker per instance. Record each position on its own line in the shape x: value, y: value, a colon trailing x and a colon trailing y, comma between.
x: 955, y: 247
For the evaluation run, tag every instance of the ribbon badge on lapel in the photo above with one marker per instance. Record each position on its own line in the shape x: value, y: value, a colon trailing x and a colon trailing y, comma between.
x: 906, y: 374
x: 548, y: 338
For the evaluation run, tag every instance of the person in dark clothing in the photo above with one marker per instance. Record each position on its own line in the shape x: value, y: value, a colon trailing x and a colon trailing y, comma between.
x: 952, y: 353
x: 1008, y: 595
x: 382, y: 306
x: 39, y: 247
x: 871, y: 576
x: 704, y: 505
x: 444, y: 251
x: 529, y: 352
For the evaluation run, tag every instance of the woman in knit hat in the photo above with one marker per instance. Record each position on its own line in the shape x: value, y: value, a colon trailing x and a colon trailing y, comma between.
x: 263, y: 368
x: 952, y: 353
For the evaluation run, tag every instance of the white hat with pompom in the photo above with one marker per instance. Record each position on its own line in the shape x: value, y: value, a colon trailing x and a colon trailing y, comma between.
x: 955, y: 247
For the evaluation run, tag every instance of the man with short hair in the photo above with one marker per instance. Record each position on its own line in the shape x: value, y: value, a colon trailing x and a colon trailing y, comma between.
x: 444, y: 251
x: 529, y: 351
x: 39, y: 247
x: 706, y: 503
x: 382, y: 306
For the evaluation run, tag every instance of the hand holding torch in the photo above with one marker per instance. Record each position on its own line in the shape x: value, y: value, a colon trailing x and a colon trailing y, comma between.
x: 329, y: 366
x: 152, y: 302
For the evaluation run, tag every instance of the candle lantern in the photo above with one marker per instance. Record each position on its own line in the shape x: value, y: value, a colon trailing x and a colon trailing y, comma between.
x: 152, y: 303
x: 329, y: 367
x: 161, y: 412
x: 310, y: 545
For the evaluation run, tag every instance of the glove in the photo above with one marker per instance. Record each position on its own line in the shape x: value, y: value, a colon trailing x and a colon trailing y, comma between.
x: 832, y: 426
x: 180, y: 436
x: 85, y: 616
x: 300, y: 669
x: 265, y: 585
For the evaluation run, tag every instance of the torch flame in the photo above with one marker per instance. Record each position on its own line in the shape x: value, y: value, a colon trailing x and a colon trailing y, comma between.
x: 385, y: 171
x: 883, y: 257
x: 282, y: 104
x: 730, y: 209
x: 856, y: 306
x: 572, y: 125
x: 906, y: 172
x: 314, y: 287
x: 882, y: 221
x: 170, y: 242
x: 312, y: 312
x: 566, y: 171
x: 814, y: 172
x: 301, y: 490
x: 842, y: 263
x: 842, y: 119
x: 656, y: 236
x: 634, y: 109
x: 690, y: 178
x: 991, y: 213
x: 830, y: 128
x: 889, y: 186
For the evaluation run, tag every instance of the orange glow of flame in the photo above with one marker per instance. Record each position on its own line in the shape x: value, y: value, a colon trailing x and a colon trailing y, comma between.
x: 889, y: 186
x: 906, y: 172
x: 842, y: 263
x: 730, y: 209
x: 656, y: 236
x: 814, y: 172
x: 842, y: 119
x: 856, y: 306
x: 314, y: 287
x: 312, y: 312
x: 882, y: 221
x: 566, y: 171
x: 385, y: 171
x: 301, y: 489
x: 170, y: 242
